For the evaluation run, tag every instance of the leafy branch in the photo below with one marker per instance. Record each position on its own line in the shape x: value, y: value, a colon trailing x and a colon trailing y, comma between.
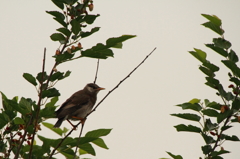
x: 223, y: 114
x: 21, y: 119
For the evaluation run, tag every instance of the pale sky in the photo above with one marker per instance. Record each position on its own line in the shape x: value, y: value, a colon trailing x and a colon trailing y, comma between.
x: 139, y: 110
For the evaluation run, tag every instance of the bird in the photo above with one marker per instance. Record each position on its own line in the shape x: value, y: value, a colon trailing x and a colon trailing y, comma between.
x: 78, y: 105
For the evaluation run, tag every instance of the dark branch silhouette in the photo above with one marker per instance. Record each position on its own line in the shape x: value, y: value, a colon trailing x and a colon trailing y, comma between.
x: 38, y: 105
x: 96, y: 71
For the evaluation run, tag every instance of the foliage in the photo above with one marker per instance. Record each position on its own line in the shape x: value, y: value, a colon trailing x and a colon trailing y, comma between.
x: 214, y: 118
x: 22, y: 118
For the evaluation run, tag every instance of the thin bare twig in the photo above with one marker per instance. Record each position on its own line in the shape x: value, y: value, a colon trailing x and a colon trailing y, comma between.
x: 96, y: 71
x: 38, y: 105
x: 78, y: 141
x: 122, y: 81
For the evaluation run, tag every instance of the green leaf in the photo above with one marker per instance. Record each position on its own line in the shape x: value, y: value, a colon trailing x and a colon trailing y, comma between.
x: 233, y: 56
x: 225, y: 127
x: 50, y: 93
x: 210, y: 112
x: 213, y: 19
x: 206, y: 102
x: 68, y: 153
x: 89, y: 19
x: 194, y: 100
x: 195, y: 106
x: 228, y: 96
x: 206, y: 71
x: 59, y: 75
x: 206, y: 149
x: 102, y: 51
x: 99, y: 142
x: 56, y: 76
x: 219, y: 50
x: 50, y: 126
x: 25, y: 106
x: 47, y: 142
x: 63, y: 57
x: 57, y: 37
x: 66, y: 75
x: 211, y: 66
x: 98, y: 133
x: 199, y: 54
x: 7, y: 103
x: 75, y: 26
x: 3, y: 120
x: 235, y: 80
x: 42, y: 77
x: 83, y: 140
x: 216, y: 153
x: 212, y: 82
x: 232, y: 138
x: 59, y: 17
x: 58, y: 3
x: 214, y: 28
x: 52, y: 102
x: 86, y: 34
x: 36, y: 150
x: 188, y: 116
x: 56, y: 14
x: 18, y: 120
x: 99, y: 51
x: 223, y: 116
x: 232, y: 66
x: 209, y: 126
x: 65, y: 31
x: 207, y: 139
x: 88, y: 148
x: 236, y: 104
x: 114, y: 42
x: 48, y: 112
x: 222, y: 43
x: 213, y: 24
x: 61, y: 21
x: 30, y: 78
x: 174, y: 156
x: 11, y: 107
x: 69, y: 2
x: 189, y: 128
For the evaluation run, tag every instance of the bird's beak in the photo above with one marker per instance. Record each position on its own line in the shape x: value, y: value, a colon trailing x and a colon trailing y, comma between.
x: 100, y: 89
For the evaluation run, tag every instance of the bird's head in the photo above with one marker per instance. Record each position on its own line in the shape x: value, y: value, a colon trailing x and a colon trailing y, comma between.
x: 93, y: 88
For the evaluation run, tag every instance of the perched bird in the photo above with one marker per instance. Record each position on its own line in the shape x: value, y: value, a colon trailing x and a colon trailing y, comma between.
x: 78, y: 105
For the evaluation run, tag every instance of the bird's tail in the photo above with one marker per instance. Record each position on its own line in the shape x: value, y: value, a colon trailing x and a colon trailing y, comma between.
x: 58, y: 123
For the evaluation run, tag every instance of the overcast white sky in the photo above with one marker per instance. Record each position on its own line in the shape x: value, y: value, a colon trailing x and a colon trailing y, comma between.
x: 138, y: 111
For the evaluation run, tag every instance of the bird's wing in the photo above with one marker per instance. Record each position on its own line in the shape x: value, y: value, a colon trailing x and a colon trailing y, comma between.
x: 73, y: 103
x: 77, y: 101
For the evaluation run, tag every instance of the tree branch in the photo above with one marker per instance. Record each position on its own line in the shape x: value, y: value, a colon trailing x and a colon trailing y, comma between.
x: 122, y: 81
x: 96, y: 71
x: 62, y: 141
x: 38, y: 105
x: 78, y: 142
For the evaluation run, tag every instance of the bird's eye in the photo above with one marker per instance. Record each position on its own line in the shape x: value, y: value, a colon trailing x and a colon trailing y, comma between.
x: 93, y: 86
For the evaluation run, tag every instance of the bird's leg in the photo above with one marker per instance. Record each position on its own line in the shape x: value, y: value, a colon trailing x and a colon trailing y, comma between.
x: 74, y: 127
x: 81, y: 119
